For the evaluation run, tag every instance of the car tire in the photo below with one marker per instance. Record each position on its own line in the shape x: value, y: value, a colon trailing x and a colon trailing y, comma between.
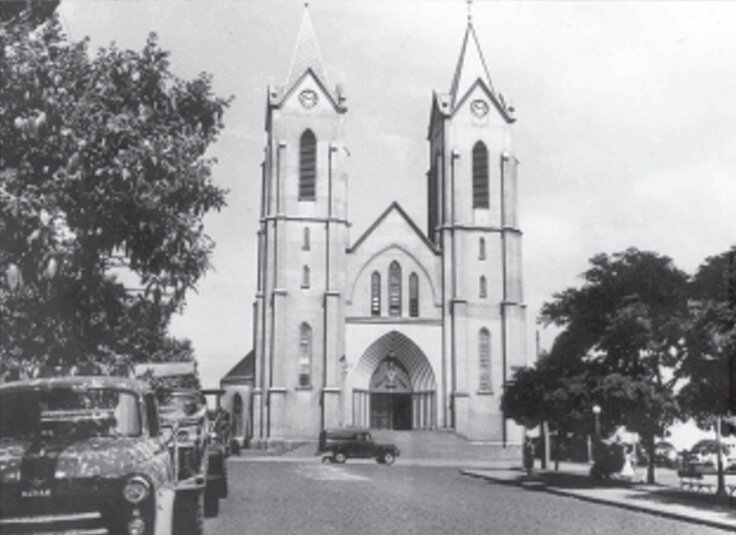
x: 189, y: 512
x: 388, y: 458
x: 339, y: 457
x: 211, y: 505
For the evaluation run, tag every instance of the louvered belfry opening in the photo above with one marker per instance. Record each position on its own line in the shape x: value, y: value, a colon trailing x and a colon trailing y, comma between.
x: 480, y: 175
x: 307, y: 166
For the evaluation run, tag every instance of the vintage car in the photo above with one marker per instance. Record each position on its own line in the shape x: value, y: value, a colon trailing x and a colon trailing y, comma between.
x: 199, y: 460
x: 85, y: 455
x: 338, y: 445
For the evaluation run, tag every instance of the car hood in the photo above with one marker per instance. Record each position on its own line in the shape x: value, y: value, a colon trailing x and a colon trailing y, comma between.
x: 82, y: 458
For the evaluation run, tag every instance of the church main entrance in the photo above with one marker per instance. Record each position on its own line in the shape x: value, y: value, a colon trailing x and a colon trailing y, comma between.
x: 390, y: 395
x: 390, y: 411
x: 399, y: 391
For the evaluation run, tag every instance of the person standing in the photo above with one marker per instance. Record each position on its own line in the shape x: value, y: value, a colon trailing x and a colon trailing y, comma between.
x: 528, y: 455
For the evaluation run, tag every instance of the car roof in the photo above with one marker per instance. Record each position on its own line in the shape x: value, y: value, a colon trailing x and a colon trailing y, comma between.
x: 78, y: 381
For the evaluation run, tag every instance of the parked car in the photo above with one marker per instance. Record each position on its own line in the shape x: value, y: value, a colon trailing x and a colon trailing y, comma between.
x: 86, y: 455
x: 665, y: 454
x: 338, y: 445
x: 704, y: 453
x: 200, y: 461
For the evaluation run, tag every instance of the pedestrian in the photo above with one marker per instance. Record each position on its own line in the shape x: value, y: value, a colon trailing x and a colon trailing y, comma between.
x: 528, y: 455
x: 627, y: 471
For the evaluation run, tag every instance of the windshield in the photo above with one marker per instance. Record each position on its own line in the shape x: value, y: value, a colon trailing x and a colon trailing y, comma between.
x: 186, y: 404
x: 63, y: 413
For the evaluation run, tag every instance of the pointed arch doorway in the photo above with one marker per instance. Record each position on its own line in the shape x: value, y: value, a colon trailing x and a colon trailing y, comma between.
x: 395, y: 386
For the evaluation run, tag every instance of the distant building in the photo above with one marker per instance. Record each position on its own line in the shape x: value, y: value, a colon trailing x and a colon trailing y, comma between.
x: 402, y: 328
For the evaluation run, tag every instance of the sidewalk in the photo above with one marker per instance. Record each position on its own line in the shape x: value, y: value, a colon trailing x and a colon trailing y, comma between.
x: 662, y: 500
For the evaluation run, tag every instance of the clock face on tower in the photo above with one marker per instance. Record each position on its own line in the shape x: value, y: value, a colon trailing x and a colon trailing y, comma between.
x: 308, y: 98
x: 479, y: 108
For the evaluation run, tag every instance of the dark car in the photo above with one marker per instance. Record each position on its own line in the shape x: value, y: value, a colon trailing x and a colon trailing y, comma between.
x: 85, y: 455
x: 338, y: 445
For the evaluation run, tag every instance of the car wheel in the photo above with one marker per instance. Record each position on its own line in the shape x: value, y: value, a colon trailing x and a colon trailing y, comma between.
x: 339, y: 457
x: 189, y: 513
x: 388, y: 458
x: 211, y: 505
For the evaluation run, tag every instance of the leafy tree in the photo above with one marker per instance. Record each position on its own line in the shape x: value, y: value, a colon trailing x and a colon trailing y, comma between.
x: 710, y: 363
x: 104, y: 177
x: 622, y: 331
x: 711, y: 340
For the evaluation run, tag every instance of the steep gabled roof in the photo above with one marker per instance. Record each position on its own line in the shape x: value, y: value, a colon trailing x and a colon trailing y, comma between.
x: 470, y: 66
x: 471, y: 70
x: 306, y: 53
x: 243, y: 369
x: 394, y: 206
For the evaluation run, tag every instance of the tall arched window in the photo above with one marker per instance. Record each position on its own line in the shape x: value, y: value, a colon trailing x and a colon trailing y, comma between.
x: 307, y: 166
x: 394, y: 289
x: 483, y: 289
x: 305, y: 355
x: 413, y: 295
x: 305, y: 241
x: 305, y: 277
x: 480, y: 175
x: 484, y: 360
x: 482, y: 249
x: 376, y: 294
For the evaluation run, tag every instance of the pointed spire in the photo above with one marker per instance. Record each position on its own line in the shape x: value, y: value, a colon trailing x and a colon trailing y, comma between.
x: 306, y: 52
x: 470, y: 65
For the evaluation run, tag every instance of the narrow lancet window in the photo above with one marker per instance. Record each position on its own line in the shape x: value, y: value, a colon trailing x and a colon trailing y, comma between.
x: 394, y: 289
x: 483, y: 289
x: 413, y: 295
x: 305, y: 355
x: 307, y: 166
x: 484, y: 360
x: 376, y: 294
x: 305, y: 240
x: 305, y: 277
x: 482, y: 249
x: 480, y: 175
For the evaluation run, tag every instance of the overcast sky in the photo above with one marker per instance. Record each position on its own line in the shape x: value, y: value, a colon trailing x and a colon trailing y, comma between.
x: 626, y: 125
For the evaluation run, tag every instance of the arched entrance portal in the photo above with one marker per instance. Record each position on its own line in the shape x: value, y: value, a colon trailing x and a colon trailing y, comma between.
x: 395, y: 386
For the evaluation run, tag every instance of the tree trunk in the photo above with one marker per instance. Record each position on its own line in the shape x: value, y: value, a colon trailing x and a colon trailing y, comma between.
x: 649, y: 444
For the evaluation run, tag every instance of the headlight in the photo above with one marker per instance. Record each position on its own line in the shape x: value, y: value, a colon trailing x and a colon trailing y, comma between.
x: 182, y: 435
x: 136, y: 489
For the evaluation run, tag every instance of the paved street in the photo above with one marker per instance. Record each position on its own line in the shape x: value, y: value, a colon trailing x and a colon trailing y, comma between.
x: 305, y: 497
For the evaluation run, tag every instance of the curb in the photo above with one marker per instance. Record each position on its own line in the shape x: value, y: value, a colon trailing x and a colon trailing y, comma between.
x: 540, y: 486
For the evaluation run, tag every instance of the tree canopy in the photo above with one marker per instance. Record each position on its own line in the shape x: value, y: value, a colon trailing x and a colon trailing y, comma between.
x: 710, y: 363
x: 104, y: 183
x: 621, y: 332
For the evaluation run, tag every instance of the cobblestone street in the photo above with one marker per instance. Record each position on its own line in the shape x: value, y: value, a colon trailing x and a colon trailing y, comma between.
x: 304, y: 497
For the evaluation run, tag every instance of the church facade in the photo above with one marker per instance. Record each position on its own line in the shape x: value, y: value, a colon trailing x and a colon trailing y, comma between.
x: 405, y: 327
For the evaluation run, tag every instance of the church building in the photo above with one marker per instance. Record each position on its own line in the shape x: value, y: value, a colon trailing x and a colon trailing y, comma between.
x: 409, y: 326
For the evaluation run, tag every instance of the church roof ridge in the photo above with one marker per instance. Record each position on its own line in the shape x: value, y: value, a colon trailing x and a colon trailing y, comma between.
x: 391, y: 207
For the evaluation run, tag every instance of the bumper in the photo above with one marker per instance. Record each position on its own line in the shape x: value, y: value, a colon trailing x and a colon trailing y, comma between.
x: 75, y: 523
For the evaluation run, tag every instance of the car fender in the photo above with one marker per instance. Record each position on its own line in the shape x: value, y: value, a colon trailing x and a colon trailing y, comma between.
x: 164, y: 523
